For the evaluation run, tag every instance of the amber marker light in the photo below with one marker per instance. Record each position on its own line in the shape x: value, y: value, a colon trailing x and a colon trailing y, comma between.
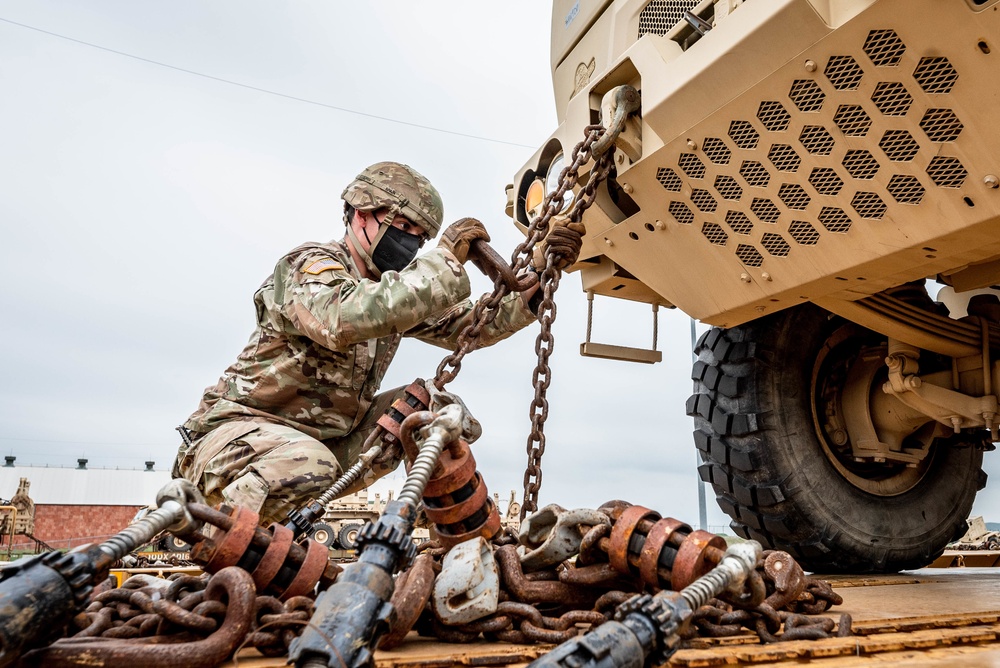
x: 534, y: 197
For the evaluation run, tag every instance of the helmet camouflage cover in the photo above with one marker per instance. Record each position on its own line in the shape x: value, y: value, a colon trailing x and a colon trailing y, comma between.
x: 399, y: 188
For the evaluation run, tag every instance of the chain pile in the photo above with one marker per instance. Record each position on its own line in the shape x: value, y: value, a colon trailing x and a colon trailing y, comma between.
x: 778, y: 603
x: 182, y: 621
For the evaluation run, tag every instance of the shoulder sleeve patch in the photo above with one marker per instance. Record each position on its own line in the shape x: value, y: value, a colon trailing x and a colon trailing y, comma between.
x: 321, y: 265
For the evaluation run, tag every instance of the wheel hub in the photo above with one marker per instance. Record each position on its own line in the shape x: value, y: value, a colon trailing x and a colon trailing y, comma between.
x: 846, y: 380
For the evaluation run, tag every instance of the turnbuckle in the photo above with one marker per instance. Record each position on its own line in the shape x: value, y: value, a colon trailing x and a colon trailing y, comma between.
x: 665, y: 553
x: 455, y: 496
x: 279, y: 566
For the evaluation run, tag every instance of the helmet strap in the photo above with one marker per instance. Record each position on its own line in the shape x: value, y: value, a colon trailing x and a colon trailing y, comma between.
x: 365, y: 256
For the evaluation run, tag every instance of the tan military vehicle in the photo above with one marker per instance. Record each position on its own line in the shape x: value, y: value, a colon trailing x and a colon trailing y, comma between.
x: 978, y: 537
x: 797, y: 170
x: 344, y: 518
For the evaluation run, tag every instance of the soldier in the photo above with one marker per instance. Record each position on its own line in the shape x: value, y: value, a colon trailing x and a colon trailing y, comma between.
x: 291, y: 414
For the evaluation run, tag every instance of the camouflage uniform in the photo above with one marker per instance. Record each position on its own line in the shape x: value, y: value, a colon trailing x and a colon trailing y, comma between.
x: 293, y: 410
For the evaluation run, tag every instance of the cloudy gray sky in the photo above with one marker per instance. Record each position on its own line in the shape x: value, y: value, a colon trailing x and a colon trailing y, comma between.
x: 142, y: 205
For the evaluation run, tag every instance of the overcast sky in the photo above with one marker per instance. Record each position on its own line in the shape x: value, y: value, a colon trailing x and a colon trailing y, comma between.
x: 143, y: 204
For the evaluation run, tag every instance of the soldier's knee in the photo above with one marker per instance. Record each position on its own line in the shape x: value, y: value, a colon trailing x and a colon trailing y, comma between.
x: 249, y: 490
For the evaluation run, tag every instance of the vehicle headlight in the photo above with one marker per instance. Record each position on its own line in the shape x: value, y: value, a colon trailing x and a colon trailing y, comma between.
x: 539, y: 189
x: 552, y: 181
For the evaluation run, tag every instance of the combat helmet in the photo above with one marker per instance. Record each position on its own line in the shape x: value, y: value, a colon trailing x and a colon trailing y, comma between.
x: 399, y: 188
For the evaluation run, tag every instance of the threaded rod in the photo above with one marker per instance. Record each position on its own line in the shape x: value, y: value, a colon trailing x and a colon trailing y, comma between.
x: 738, y: 562
x: 116, y: 547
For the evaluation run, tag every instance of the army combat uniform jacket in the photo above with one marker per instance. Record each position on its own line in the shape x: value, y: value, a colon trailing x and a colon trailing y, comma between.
x: 323, y: 341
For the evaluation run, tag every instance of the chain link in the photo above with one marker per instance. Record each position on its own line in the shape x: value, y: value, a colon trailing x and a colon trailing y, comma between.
x: 488, y: 306
x: 146, y: 606
x: 542, y: 376
x: 545, y: 606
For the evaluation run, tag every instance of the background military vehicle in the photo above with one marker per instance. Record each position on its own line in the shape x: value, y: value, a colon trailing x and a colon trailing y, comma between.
x: 345, y: 516
x: 978, y: 537
x: 797, y: 170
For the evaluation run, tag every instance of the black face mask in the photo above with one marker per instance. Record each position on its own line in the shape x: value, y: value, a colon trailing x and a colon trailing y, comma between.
x: 395, y: 249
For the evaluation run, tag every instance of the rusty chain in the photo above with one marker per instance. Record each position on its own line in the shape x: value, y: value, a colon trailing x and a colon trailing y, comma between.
x: 488, y: 306
x: 178, y: 610
x: 541, y: 377
x: 200, y: 619
x: 779, y: 601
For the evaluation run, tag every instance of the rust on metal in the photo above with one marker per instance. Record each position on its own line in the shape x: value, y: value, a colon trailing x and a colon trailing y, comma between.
x: 279, y: 565
x: 693, y: 558
x: 274, y: 557
x: 621, y: 535
x: 310, y: 570
x: 522, y: 589
x: 488, y: 529
x: 233, y: 586
x: 460, y: 511
x: 658, y: 536
x: 496, y: 268
x: 413, y: 590
x: 455, y: 497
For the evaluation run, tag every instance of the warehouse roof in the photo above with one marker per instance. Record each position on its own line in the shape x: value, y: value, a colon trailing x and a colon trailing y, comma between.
x: 90, y: 486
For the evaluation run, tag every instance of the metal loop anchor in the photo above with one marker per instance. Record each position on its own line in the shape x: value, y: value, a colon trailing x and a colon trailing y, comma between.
x: 468, y: 587
x: 554, y: 534
x: 625, y: 100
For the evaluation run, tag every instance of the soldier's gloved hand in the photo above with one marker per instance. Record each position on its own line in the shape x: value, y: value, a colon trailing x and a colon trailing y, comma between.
x: 457, y: 237
x: 563, y: 242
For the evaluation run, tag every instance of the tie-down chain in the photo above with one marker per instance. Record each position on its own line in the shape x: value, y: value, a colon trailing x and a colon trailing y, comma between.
x: 579, y: 566
x: 598, y: 146
x: 565, y: 569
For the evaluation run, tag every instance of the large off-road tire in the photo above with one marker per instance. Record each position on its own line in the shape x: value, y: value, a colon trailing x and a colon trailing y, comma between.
x: 348, y: 537
x: 324, y: 534
x: 759, y: 391
x: 172, y: 543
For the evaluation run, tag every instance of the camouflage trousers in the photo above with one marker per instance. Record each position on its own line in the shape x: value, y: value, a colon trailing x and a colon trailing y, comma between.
x: 272, y: 468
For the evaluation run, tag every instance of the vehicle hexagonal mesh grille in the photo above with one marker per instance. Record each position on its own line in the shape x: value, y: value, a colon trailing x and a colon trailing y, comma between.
x: 716, y: 150
x: 860, y: 164
x: 884, y: 48
x: 935, y: 75
x: 843, y: 72
x: 807, y: 95
x: 749, y: 255
x: 681, y: 213
x: 728, y: 187
x: 738, y: 222
x: 659, y: 16
x: 668, y: 179
x: 775, y: 244
x: 803, y: 232
x: 692, y: 165
x: 784, y: 158
x: 826, y: 181
x: 773, y: 116
x: 891, y: 98
x: 873, y: 124
x: 905, y: 189
x: 755, y: 173
x: 715, y: 234
x: 899, y: 145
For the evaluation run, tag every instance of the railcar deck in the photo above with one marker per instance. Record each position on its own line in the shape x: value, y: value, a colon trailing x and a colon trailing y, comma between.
x: 927, y: 617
